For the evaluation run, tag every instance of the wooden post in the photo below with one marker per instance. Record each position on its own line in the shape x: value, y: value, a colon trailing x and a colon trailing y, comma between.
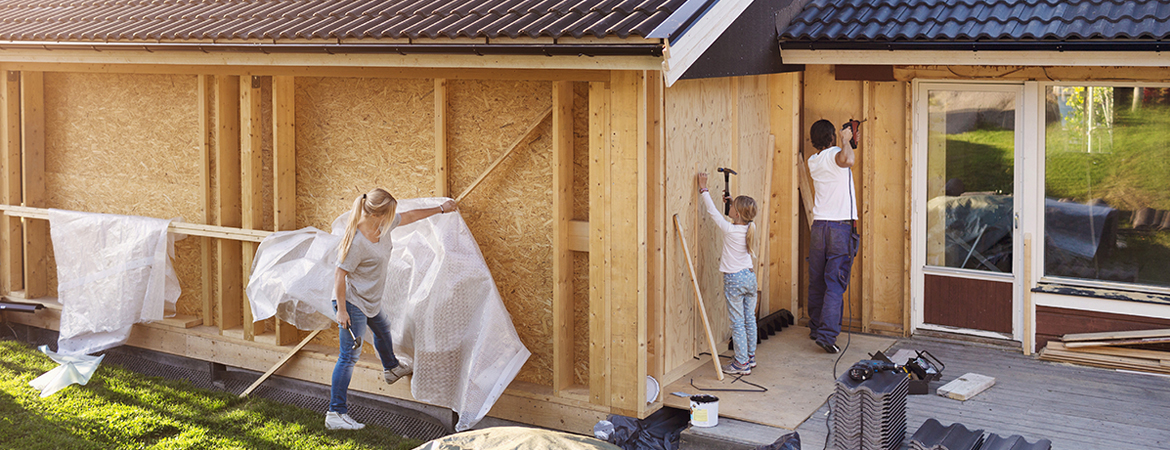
x: 866, y: 212
x: 251, y: 183
x: 227, y: 171
x: 627, y: 255
x: 284, y: 176
x: 562, y: 300
x: 441, y: 186
x: 656, y: 225
x: 32, y: 140
x: 206, y: 128
x: 11, y: 231
x: 599, y: 298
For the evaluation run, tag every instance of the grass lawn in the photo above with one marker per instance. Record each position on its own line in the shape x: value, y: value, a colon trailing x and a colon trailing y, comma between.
x: 120, y: 409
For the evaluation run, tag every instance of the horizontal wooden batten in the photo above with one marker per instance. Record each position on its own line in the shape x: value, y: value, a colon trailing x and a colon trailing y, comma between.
x: 192, y: 229
x: 292, y: 60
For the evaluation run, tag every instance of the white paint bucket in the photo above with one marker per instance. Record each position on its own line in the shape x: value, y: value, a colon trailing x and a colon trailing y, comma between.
x: 704, y: 411
x: 651, y: 390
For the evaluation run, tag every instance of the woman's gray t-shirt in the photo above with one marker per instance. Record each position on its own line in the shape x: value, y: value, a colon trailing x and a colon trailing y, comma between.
x: 366, y: 263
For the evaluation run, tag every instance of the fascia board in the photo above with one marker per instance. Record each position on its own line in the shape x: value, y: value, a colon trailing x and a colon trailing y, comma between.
x: 702, y: 34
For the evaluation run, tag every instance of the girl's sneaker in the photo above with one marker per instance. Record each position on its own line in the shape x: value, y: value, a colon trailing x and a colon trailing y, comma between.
x: 732, y: 368
x: 751, y: 361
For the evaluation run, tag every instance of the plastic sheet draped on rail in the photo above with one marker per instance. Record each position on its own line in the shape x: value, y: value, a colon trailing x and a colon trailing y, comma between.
x: 447, y: 319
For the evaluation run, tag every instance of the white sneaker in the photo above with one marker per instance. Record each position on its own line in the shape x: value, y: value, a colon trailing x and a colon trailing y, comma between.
x: 393, y: 375
x: 335, y: 421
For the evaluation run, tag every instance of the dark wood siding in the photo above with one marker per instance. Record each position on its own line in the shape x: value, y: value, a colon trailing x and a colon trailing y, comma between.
x: 966, y: 303
x: 1052, y: 323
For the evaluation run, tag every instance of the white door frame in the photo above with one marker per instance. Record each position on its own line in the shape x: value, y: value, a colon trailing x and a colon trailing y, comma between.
x: 1025, y: 142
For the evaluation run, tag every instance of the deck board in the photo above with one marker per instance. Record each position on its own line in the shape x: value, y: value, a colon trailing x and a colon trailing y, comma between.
x: 1076, y: 407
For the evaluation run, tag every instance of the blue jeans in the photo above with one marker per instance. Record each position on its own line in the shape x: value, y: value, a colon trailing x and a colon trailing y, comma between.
x: 830, y: 262
x: 740, y: 290
x: 343, y: 371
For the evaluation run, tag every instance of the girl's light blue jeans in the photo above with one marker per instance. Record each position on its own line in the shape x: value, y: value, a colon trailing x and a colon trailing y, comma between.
x: 343, y: 371
x: 740, y: 290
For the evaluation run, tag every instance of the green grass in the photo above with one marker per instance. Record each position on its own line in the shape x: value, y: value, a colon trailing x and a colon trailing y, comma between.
x: 120, y: 409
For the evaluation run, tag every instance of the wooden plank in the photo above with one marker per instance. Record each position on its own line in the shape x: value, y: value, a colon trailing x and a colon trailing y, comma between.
x: 656, y: 226
x: 530, y: 132
x: 599, y: 298
x: 192, y: 229
x: 1154, y: 355
x: 485, y: 68
x: 251, y: 184
x: 867, y: 159
x: 627, y: 255
x: 699, y: 299
x: 206, y: 131
x: 1116, y: 342
x: 885, y: 136
x: 562, y: 211
x: 284, y: 173
x: 806, y: 189
x: 966, y: 386
x: 441, y: 186
x: 280, y: 363
x: 11, y: 230
x: 1113, y: 335
x: 32, y: 143
x: 229, y: 271
x: 783, y: 237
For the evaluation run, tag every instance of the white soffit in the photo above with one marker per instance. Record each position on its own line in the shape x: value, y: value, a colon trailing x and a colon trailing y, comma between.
x: 961, y: 58
x: 680, y: 55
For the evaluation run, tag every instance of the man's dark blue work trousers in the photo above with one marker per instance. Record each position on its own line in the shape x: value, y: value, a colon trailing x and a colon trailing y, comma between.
x: 830, y: 261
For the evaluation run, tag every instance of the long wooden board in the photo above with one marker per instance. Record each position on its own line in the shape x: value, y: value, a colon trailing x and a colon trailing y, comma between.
x: 1111, y: 335
x: 1152, y: 340
x: 699, y: 299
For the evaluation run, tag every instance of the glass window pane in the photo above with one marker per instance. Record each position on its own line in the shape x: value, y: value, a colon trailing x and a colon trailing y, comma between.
x: 1107, y: 184
x: 970, y: 179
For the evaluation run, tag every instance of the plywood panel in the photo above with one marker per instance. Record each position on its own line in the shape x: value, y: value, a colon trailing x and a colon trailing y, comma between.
x: 698, y: 128
x: 837, y: 102
x: 509, y: 211
x: 886, y: 215
x: 754, y: 162
x: 784, y: 220
x: 128, y: 144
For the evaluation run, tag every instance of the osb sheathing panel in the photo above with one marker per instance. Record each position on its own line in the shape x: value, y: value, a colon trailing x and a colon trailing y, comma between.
x: 355, y: 134
x: 127, y: 144
x: 581, y: 212
x: 836, y: 101
x: 511, y: 210
x: 698, y: 133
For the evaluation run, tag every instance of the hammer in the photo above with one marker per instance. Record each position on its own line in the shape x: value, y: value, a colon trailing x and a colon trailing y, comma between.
x: 727, y: 173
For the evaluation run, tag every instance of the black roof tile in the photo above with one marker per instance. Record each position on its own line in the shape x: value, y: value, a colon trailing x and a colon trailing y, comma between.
x: 979, y: 20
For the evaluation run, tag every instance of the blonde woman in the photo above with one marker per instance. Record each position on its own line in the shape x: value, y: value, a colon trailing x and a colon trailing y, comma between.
x: 739, y: 277
x: 357, y: 293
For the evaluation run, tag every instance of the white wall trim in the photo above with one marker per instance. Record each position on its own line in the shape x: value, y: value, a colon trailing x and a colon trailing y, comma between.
x: 975, y: 58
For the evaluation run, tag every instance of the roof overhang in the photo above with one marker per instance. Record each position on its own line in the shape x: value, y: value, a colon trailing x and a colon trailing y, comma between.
x: 644, y: 56
x: 683, y: 50
x: 1128, y: 53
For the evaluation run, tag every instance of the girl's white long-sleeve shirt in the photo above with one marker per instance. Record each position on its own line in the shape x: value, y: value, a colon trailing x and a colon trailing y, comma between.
x: 735, y: 253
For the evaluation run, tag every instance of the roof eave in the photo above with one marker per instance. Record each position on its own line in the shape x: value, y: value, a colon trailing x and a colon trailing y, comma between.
x: 643, y: 49
x: 1025, y: 53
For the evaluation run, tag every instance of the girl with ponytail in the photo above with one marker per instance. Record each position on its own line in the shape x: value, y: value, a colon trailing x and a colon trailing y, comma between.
x: 739, y: 276
x: 359, y: 282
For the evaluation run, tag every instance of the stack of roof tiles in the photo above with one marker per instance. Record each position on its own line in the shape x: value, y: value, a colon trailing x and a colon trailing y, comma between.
x: 933, y: 436
x: 871, y: 414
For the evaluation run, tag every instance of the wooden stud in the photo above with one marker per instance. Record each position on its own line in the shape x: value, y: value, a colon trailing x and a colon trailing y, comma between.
x: 206, y: 128
x: 32, y: 143
x: 867, y: 156
x: 230, y: 269
x: 530, y: 132
x: 562, y: 300
x: 11, y: 231
x: 284, y: 172
x: 251, y: 183
x: 441, y: 186
x: 907, y: 217
x: 599, y: 298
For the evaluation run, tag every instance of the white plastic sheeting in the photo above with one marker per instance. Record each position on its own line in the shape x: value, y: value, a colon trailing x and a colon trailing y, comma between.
x: 447, y: 319
x: 72, y: 369
x: 112, y: 272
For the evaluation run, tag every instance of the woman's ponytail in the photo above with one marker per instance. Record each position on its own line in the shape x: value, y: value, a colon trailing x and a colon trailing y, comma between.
x: 350, y: 229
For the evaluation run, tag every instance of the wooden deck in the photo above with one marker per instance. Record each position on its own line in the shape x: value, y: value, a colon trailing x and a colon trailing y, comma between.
x: 1075, y: 407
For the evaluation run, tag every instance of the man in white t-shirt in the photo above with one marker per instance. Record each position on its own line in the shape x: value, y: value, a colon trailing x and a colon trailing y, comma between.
x: 834, y: 240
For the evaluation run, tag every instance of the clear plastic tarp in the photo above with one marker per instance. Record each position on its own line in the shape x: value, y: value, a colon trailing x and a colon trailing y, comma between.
x: 447, y: 319
x: 516, y: 438
x: 112, y: 272
x: 72, y: 369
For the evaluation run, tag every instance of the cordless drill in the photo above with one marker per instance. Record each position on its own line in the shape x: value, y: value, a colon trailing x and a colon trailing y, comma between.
x: 866, y: 368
